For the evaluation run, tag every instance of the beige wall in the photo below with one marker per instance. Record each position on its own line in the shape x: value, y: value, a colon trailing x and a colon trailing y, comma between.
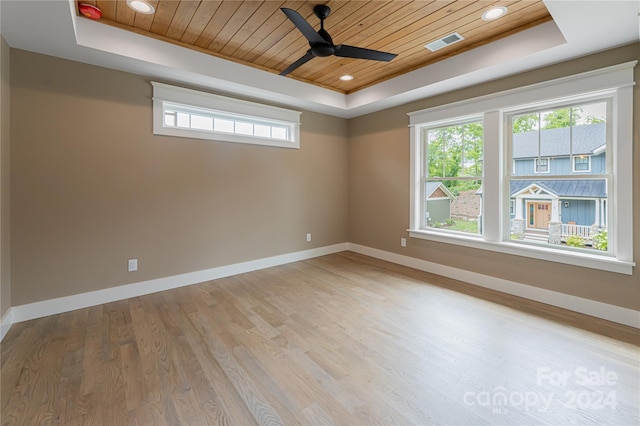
x: 93, y: 187
x: 5, y: 192
x: 379, y: 194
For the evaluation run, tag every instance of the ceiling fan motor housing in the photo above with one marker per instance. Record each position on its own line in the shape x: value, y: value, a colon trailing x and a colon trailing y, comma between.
x: 322, y: 50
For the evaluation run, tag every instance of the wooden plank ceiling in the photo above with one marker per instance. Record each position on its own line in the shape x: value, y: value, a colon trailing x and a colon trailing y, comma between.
x: 258, y: 34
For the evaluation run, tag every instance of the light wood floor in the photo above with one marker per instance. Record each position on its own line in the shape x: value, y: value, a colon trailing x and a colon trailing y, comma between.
x: 341, y: 339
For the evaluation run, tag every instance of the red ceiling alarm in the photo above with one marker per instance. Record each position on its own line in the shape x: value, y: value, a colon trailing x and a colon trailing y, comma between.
x: 90, y: 11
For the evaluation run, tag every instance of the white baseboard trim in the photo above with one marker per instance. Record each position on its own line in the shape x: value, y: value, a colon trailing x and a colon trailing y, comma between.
x: 6, y: 323
x: 44, y: 308
x: 59, y: 305
x: 602, y: 310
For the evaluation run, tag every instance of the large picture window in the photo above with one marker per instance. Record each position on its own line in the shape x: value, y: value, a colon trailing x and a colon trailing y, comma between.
x: 551, y: 173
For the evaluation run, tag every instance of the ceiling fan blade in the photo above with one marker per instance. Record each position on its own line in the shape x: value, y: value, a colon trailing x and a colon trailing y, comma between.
x: 306, y: 58
x: 346, y: 51
x: 302, y: 25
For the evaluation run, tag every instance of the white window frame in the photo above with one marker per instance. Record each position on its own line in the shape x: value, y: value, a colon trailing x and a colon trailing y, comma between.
x: 573, y: 163
x: 614, y: 83
x: 536, y: 165
x: 171, y: 98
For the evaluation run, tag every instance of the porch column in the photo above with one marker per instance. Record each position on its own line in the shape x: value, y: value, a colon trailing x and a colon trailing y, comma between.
x: 597, y: 209
x: 518, y: 220
x: 555, y: 210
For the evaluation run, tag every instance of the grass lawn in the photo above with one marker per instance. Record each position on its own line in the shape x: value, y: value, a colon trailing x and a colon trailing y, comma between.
x: 462, y: 225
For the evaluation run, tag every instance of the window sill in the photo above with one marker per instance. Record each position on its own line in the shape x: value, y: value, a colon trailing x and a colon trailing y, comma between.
x: 585, y: 260
x: 223, y: 137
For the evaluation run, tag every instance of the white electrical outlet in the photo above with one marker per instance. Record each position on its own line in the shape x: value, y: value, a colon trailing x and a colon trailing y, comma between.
x: 308, y: 237
x: 403, y: 242
x: 132, y: 266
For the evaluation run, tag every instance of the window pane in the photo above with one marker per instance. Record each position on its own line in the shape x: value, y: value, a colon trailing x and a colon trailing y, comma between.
x: 243, y: 128
x: 170, y: 119
x: 526, y: 123
x: 183, y: 119
x: 262, y: 130
x: 560, y: 212
x: 437, y: 153
x: 200, y: 122
x: 581, y: 164
x: 559, y: 135
x: 542, y: 165
x: 459, y: 212
x: 453, y: 154
x: 222, y: 125
x: 279, y: 133
x: 455, y: 151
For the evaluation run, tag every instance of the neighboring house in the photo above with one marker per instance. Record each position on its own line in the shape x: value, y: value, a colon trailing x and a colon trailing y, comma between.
x: 587, y: 143
x: 438, y: 199
x: 580, y: 205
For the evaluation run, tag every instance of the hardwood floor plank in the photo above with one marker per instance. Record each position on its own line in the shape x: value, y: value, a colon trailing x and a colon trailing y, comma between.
x: 252, y: 396
x: 339, y: 339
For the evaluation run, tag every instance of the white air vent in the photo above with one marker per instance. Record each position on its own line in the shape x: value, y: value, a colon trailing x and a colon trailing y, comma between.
x: 444, y: 42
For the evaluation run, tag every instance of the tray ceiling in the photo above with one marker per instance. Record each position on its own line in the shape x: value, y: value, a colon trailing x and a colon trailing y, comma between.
x: 258, y: 34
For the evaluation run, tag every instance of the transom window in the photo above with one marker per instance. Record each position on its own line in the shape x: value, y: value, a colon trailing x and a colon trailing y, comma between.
x: 185, y: 117
x: 193, y: 114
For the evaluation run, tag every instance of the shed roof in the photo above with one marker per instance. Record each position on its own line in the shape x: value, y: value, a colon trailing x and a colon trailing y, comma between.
x: 431, y: 187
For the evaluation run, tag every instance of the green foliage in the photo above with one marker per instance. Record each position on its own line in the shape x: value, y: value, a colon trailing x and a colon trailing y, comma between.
x: 460, y: 225
x: 455, y: 151
x: 575, y: 241
x: 601, y: 241
x: 590, y: 119
x: 525, y: 123
x: 466, y: 185
x: 559, y: 118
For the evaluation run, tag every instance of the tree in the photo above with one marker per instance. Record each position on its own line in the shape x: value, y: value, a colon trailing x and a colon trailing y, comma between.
x: 525, y: 123
x: 559, y: 118
x: 455, y: 151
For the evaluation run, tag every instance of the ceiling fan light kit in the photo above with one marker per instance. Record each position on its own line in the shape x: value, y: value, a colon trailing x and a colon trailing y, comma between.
x: 321, y: 44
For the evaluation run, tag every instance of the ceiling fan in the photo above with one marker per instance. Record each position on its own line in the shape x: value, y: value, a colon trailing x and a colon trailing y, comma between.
x: 322, y: 44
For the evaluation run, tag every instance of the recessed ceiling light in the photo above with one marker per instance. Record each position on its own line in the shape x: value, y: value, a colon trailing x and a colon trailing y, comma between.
x: 494, y: 13
x: 141, y: 6
x: 346, y: 77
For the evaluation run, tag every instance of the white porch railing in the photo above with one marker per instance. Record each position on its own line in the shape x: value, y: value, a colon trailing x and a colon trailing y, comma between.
x: 583, y: 231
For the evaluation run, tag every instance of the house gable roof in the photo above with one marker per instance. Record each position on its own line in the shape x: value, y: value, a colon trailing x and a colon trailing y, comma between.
x: 587, y: 140
x: 431, y: 187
